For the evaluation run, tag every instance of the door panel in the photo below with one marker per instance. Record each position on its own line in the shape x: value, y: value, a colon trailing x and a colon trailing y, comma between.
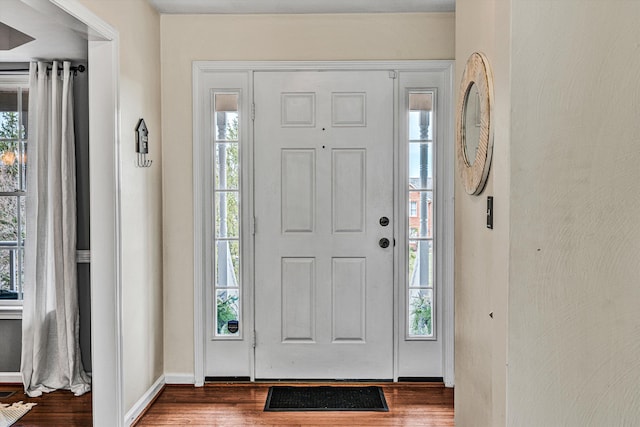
x: 323, y: 179
x: 298, y: 295
x: 298, y: 191
x: 349, y: 201
x: 348, y: 280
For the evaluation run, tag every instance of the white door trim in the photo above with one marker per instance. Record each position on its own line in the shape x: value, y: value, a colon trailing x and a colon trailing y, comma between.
x: 199, y: 227
x: 201, y: 69
x: 106, y: 279
x: 446, y: 240
x: 216, y: 66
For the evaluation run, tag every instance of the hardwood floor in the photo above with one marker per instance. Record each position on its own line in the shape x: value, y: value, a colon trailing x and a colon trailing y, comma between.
x: 60, y: 408
x: 236, y: 405
x: 410, y: 404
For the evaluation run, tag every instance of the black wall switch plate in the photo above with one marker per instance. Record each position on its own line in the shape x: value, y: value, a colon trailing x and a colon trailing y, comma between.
x: 490, y: 212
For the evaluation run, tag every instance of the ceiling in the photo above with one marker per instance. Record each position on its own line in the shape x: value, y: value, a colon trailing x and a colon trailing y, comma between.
x: 301, y: 6
x: 57, y: 35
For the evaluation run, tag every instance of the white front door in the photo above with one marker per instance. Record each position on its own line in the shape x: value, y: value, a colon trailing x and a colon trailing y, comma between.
x: 323, y: 194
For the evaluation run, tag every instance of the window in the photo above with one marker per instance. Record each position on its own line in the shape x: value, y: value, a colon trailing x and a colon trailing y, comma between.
x: 14, y: 102
x: 413, y: 208
x: 227, y: 214
x: 420, y: 283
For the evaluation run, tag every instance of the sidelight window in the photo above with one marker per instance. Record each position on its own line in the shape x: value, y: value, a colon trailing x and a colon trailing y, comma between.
x: 227, y: 280
x: 420, y: 191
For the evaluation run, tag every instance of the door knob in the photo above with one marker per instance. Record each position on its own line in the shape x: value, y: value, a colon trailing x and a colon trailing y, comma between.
x: 384, y: 221
x: 384, y: 243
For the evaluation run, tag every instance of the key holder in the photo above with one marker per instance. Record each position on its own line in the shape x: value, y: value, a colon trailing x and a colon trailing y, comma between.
x: 142, y: 145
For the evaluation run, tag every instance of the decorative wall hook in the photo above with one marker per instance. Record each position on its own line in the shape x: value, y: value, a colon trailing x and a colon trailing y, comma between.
x: 142, y: 145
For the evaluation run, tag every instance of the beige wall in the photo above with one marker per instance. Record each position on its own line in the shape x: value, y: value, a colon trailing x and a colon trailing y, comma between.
x: 574, y: 327
x: 481, y: 257
x: 258, y: 37
x: 141, y: 192
x: 560, y: 271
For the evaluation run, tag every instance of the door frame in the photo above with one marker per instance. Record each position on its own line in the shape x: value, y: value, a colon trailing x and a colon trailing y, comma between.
x: 104, y: 177
x: 202, y: 75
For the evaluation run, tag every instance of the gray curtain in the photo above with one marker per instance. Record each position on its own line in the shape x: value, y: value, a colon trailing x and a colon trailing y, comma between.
x: 50, y: 319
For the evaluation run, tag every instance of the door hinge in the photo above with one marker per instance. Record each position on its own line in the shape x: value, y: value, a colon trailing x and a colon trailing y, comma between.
x: 252, y: 227
x: 253, y: 111
x: 393, y: 75
x: 253, y: 339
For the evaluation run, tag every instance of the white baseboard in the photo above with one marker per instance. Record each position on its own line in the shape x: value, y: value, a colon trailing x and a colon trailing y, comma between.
x: 179, y: 379
x: 144, y: 401
x: 11, y: 377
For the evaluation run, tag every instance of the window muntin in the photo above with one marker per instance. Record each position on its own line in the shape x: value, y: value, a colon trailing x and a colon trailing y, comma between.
x: 14, y: 102
x: 227, y: 214
x: 420, y: 292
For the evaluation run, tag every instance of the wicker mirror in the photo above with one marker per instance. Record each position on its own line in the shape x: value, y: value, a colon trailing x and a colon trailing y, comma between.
x: 474, y: 124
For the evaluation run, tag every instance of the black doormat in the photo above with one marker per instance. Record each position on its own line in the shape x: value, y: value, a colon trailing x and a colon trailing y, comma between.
x: 325, y: 398
x: 5, y: 394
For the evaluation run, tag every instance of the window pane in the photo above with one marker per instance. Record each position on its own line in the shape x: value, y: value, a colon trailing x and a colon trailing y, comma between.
x: 227, y: 260
x: 9, y: 124
x: 421, y: 101
x: 226, y: 116
x: 10, y: 121
x: 22, y: 229
x: 421, y: 214
x: 226, y: 102
x: 8, y: 273
x: 421, y: 116
x: 8, y: 220
x: 9, y: 166
x: 25, y: 112
x: 22, y: 165
x: 11, y: 254
x: 420, y: 128
x: 421, y: 166
x: 20, y: 273
x: 421, y: 313
x: 227, y: 308
x: 227, y: 214
x: 420, y: 264
x: 226, y: 166
x: 227, y: 126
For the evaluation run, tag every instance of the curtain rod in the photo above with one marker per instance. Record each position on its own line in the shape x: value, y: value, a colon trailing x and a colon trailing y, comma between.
x: 76, y: 70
